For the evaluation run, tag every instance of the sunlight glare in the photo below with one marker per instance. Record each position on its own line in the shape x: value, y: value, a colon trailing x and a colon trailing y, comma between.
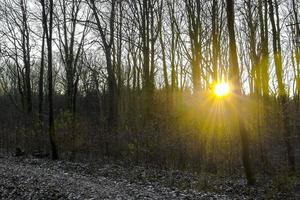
x: 221, y: 89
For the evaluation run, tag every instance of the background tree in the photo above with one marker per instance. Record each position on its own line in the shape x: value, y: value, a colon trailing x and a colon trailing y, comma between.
x: 140, y: 77
x: 47, y: 17
x: 234, y: 74
x: 274, y: 11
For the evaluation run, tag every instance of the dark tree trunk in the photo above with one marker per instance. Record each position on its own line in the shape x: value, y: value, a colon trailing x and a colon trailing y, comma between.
x: 41, y: 80
x: 48, y: 30
x: 193, y: 9
x: 215, y: 45
x: 111, y: 79
x: 234, y: 75
x: 283, y: 98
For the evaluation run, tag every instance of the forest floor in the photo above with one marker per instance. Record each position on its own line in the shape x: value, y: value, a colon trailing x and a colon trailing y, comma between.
x: 31, y: 178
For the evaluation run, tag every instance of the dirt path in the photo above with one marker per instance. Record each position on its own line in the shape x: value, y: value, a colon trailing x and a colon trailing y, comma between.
x: 44, y: 179
x: 30, y: 178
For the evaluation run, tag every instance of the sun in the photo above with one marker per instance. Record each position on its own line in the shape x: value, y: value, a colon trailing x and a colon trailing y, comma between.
x: 221, y: 89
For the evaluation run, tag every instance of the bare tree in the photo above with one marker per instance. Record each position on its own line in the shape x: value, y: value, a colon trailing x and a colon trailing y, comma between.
x: 106, y: 30
x: 18, y: 47
x: 193, y: 9
x: 264, y: 54
x: 47, y: 18
x: 234, y: 75
x: 71, y: 40
x: 279, y: 75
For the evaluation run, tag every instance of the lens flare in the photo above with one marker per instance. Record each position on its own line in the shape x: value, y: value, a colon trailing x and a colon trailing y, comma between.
x: 221, y: 89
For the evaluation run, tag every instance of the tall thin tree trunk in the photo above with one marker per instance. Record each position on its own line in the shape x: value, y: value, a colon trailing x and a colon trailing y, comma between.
x: 215, y: 40
x: 48, y: 30
x: 163, y: 51
x: 234, y: 75
x: 282, y: 95
x: 50, y: 85
x: 41, y: 80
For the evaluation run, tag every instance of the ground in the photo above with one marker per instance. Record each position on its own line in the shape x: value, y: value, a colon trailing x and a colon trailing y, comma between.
x: 31, y: 178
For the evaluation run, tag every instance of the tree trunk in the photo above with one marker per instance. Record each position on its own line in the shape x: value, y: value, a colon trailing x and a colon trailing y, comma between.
x: 41, y: 80
x: 48, y: 30
x: 234, y: 75
x: 283, y: 98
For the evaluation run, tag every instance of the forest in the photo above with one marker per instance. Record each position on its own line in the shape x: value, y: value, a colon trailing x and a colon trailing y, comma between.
x: 199, y: 86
